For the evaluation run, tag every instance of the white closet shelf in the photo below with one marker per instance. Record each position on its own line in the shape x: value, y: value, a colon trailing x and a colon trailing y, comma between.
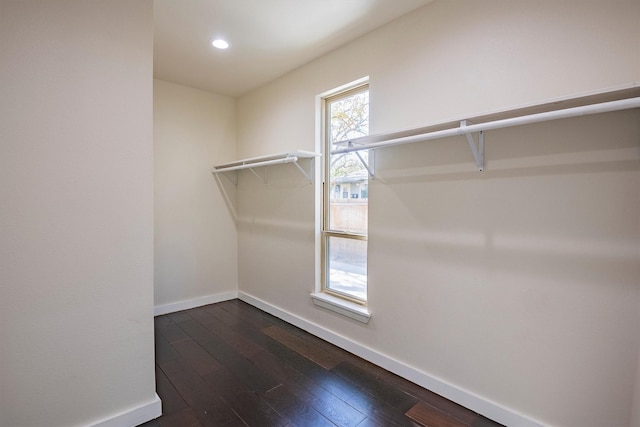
x: 615, y: 100
x: 269, y: 160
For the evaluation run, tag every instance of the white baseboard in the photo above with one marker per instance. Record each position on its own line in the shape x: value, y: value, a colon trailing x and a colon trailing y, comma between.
x: 193, y: 303
x: 456, y: 394
x: 134, y: 417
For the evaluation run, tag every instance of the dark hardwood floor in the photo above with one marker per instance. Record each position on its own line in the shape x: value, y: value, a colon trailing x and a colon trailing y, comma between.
x: 231, y: 364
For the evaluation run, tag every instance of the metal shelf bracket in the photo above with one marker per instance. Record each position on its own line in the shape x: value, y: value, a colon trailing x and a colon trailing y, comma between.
x: 368, y: 165
x: 308, y: 175
x: 235, y: 178
x: 263, y: 179
x: 476, y: 149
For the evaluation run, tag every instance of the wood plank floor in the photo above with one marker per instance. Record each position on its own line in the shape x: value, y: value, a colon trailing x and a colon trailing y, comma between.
x: 231, y: 364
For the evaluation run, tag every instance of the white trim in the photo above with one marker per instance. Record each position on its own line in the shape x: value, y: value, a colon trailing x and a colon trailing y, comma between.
x: 133, y: 417
x: 320, y: 209
x: 193, y: 303
x: 340, y: 306
x: 454, y: 393
x: 345, y: 87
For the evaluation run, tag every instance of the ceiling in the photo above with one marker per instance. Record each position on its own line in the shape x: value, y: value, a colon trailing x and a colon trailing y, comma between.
x: 268, y: 38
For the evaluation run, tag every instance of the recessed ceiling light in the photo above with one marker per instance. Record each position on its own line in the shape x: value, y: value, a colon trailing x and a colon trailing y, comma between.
x: 220, y: 44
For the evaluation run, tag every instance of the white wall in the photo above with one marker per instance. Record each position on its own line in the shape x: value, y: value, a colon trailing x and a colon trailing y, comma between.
x: 635, y: 413
x: 442, y: 62
x: 195, y: 233
x: 518, y: 284
x: 76, y: 211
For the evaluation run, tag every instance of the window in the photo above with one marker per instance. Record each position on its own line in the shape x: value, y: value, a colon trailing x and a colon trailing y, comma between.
x: 345, y: 198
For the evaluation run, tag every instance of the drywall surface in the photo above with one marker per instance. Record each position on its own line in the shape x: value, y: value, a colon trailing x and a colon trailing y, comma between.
x: 195, y: 235
x: 635, y: 412
x: 76, y: 217
x: 453, y: 59
x: 518, y: 284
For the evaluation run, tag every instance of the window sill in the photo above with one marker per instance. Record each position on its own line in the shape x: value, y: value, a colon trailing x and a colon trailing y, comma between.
x: 340, y: 306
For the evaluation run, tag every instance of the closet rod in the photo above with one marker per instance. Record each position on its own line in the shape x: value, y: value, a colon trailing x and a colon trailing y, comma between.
x: 257, y: 164
x: 604, y: 107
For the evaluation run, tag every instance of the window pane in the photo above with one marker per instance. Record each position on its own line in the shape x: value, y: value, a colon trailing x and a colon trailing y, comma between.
x: 347, y: 269
x: 349, y: 210
x: 348, y: 178
x: 349, y: 117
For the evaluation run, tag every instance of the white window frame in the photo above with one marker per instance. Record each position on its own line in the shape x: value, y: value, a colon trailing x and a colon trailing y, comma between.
x: 323, y: 297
